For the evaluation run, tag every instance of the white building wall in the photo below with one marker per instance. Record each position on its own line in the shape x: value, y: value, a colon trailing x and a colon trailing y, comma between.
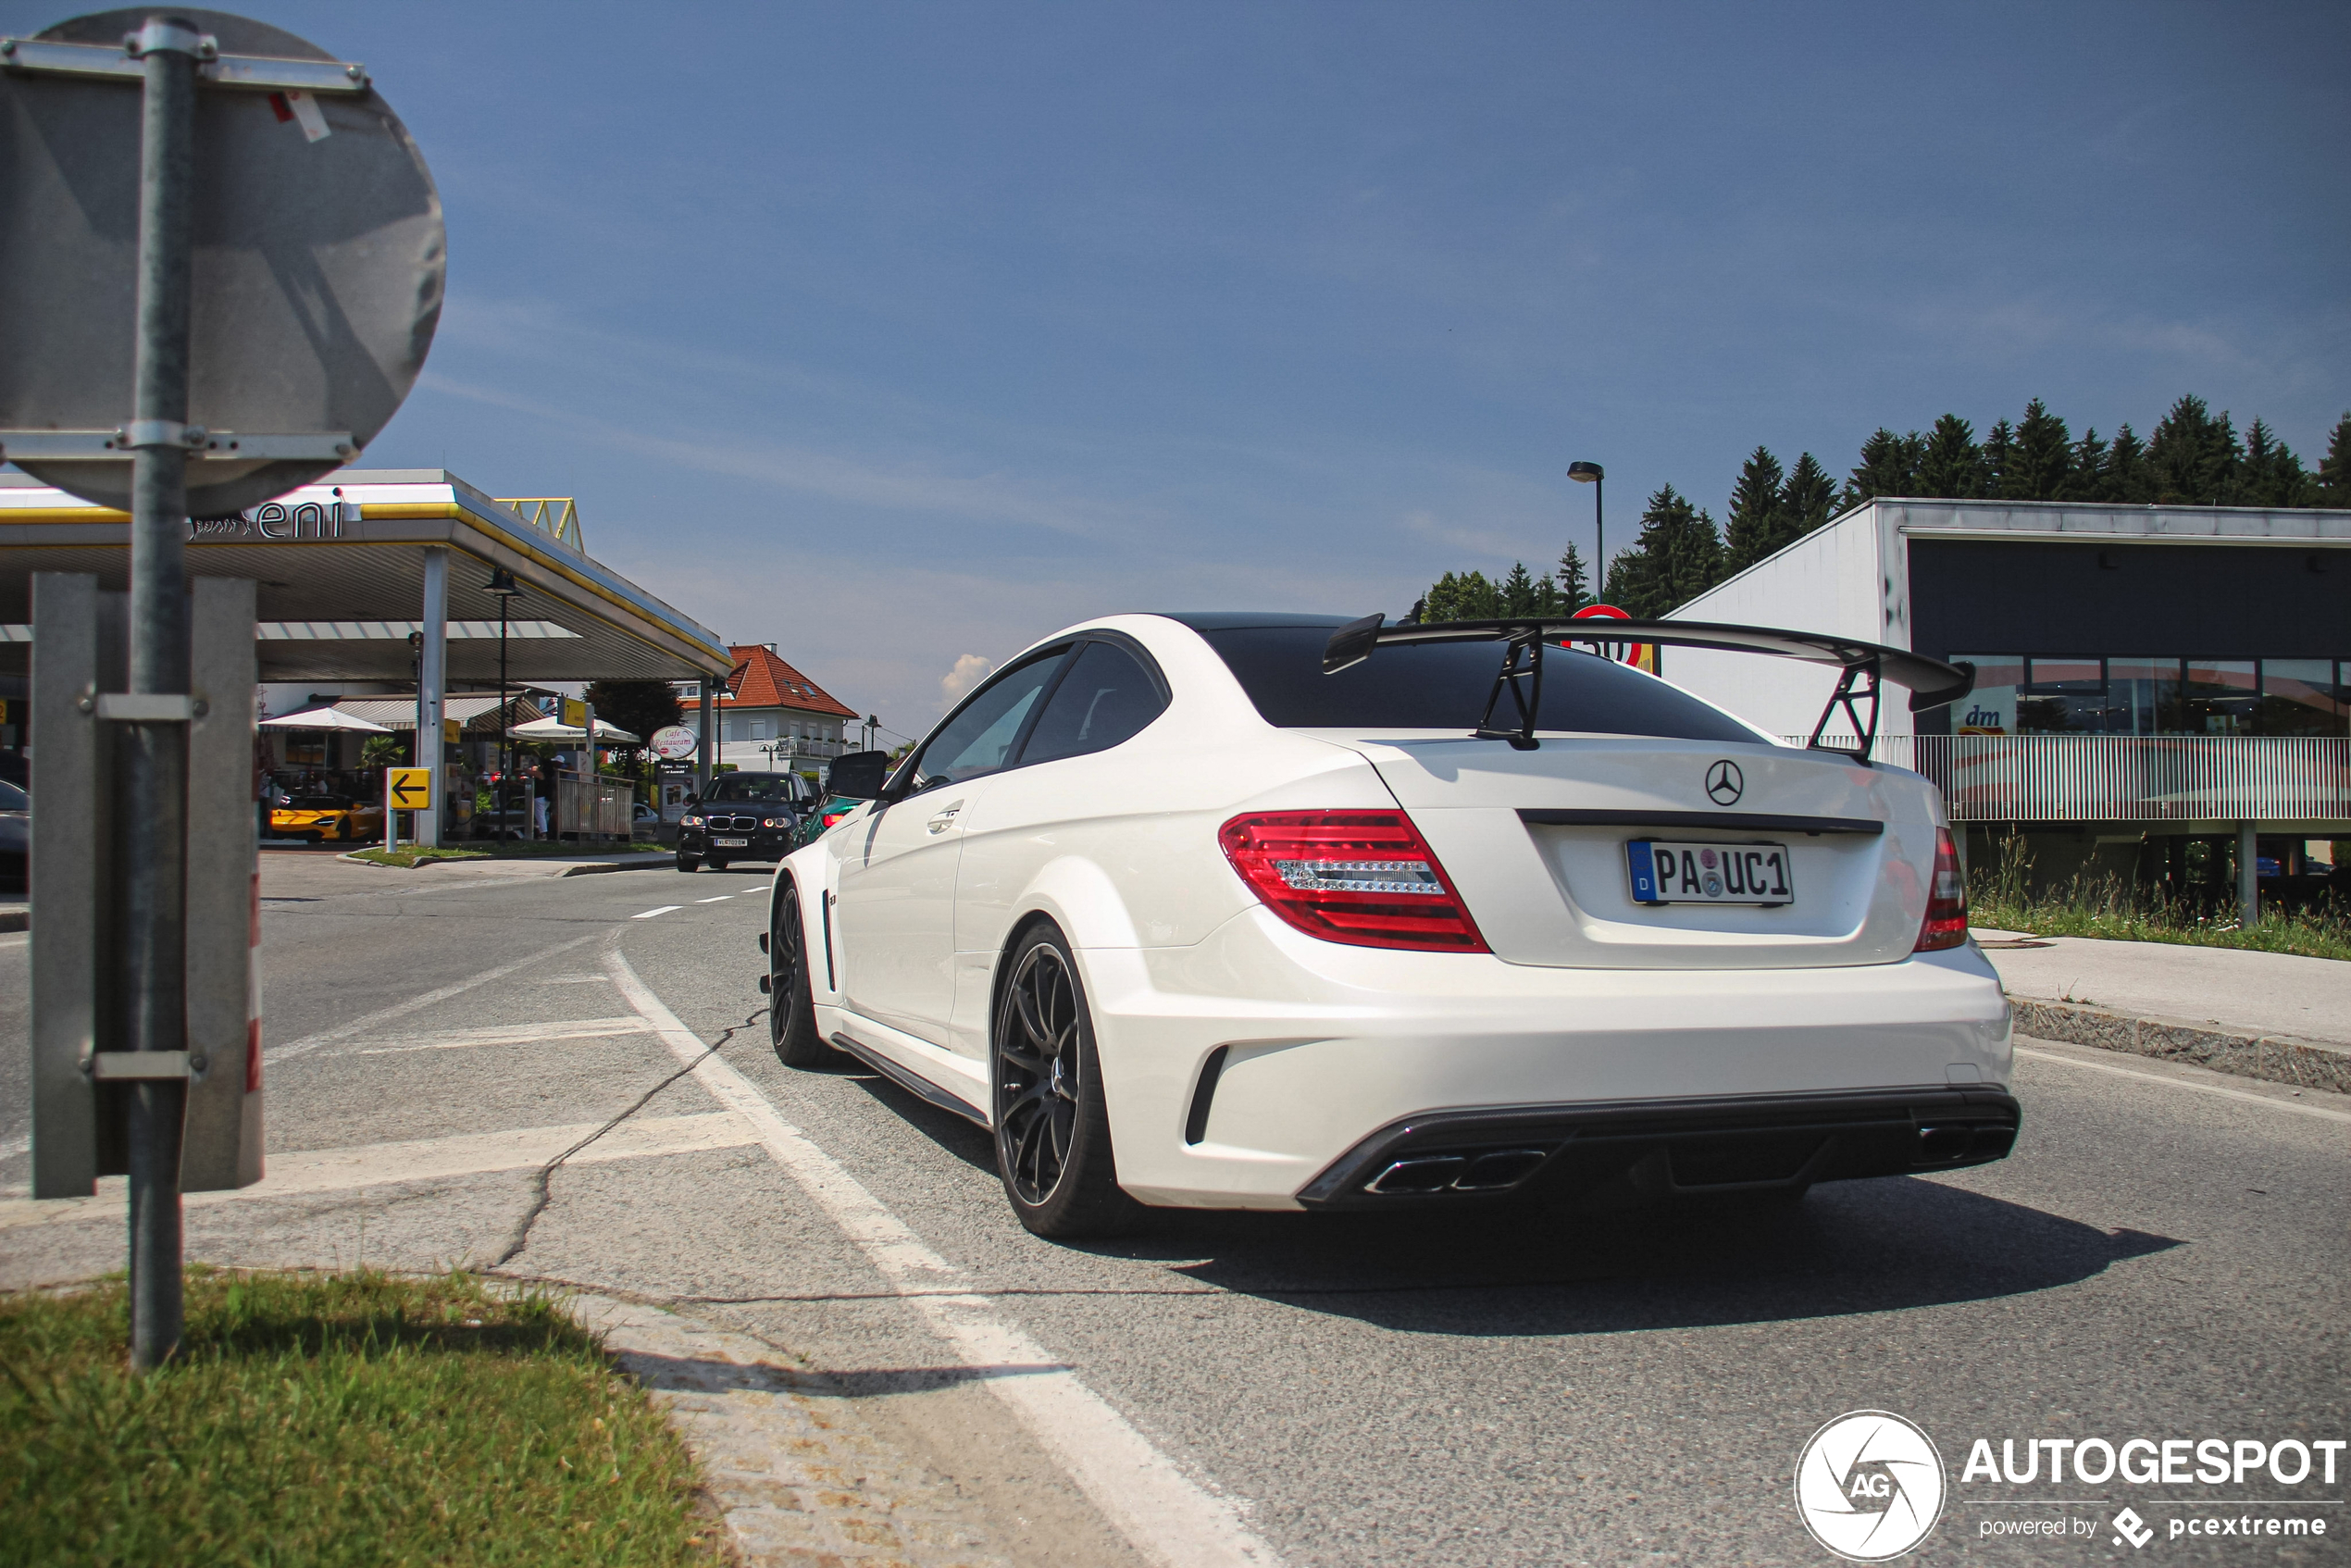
x: 1829, y: 580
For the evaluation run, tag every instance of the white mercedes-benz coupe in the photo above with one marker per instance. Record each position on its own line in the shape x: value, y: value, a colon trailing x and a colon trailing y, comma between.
x: 1280, y: 910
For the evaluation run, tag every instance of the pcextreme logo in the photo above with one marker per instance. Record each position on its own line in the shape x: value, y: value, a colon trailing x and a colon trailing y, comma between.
x: 1869, y: 1486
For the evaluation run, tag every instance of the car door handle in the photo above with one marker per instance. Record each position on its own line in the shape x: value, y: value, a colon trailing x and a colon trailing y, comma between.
x: 945, y: 819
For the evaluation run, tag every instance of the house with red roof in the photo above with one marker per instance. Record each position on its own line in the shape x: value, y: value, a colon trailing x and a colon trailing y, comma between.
x: 773, y: 719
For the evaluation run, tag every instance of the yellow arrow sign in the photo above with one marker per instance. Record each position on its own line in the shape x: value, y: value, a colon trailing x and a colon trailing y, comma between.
x: 411, y: 787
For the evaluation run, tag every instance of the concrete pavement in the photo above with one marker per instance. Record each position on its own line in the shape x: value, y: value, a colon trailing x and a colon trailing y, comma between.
x: 2272, y: 1016
x: 2163, y: 1256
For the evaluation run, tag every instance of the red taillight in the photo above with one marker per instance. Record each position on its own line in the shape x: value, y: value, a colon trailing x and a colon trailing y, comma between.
x: 1947, y: 899
x: 1358, y: 876
x: 833, y: 816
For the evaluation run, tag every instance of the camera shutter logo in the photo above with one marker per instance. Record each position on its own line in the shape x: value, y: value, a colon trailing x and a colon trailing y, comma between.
x: 1724, y: 783
x: 1869, y: 1486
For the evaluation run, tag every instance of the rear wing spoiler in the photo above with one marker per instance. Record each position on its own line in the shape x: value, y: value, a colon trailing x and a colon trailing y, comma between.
x: 1863, y: 665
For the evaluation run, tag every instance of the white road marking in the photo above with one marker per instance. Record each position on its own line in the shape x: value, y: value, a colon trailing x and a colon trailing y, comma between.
x: 373, y: 1164
x: 401, y: 1009
x: 1167, y: 1517
x: 720, y: 898
x: 2184, y: 1083
x: 665, y: 909
x: 510, y: 1034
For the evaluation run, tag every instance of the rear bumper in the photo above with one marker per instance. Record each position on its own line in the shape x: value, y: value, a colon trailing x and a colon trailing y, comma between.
x: 1245, y: 1071
x: 1665, y: 1148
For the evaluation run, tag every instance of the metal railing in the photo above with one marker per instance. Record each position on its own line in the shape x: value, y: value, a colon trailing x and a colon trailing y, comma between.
x: 2130, y: 778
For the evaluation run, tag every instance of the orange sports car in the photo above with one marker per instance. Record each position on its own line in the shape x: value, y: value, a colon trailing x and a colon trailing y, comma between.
x: 323, y: 817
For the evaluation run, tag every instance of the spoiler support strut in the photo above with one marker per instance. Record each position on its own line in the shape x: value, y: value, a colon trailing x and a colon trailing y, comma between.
x: 1862, y: 667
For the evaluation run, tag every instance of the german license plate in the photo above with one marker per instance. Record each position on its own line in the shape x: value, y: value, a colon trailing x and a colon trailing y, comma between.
x: 1671, y: 873
x: 730, y: 843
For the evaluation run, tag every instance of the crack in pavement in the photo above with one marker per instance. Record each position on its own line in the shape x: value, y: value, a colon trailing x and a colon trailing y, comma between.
x: 520, y: 1237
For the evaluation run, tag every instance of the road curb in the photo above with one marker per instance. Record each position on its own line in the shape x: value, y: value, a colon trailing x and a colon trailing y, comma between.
x: 796, y: 1476
x: 2274, y: 1057
x: 16, y: 916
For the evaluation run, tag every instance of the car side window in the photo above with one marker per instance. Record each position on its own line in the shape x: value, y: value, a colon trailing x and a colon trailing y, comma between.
x: 1106, y: 698
x: 980, y: 738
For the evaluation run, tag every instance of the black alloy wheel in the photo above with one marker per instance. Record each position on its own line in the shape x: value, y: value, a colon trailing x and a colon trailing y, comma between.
x: 1052, y: 1125
x: 791, y: 1008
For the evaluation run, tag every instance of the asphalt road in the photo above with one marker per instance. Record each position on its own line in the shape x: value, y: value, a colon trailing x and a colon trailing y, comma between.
x: 2165, y: 1256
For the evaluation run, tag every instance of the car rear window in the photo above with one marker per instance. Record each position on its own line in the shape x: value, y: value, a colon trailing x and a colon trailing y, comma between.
x: 1444, y: 685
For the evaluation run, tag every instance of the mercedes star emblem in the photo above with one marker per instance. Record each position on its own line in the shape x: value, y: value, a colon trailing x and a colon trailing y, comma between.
x: 1724, y: 783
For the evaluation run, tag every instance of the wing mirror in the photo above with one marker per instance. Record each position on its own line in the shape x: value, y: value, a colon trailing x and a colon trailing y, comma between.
x: 860, y: 775
x: 693, y: 800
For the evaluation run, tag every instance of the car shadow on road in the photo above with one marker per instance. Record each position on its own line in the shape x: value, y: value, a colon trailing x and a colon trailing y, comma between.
x: 1876, y: 1245
x: 1855, y: 1247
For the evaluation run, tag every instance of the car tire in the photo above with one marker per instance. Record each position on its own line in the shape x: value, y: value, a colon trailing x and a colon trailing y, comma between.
x: 687, y: 862
x: 791, y: 1007
x: 1052, y: 1123
x: 717, y: 865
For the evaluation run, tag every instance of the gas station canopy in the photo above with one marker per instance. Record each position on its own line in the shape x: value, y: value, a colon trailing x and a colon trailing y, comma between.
x: 340, y: 567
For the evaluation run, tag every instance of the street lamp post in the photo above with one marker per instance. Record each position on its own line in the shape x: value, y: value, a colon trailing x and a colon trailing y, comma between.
x: 1594, y: 475
x: 503, y: 584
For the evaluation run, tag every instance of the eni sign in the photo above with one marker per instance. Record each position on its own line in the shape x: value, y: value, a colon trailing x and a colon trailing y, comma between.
x: 276, y: 521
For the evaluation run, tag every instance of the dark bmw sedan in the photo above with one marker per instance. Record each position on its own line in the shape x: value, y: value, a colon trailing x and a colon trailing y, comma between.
x: 745, y: 817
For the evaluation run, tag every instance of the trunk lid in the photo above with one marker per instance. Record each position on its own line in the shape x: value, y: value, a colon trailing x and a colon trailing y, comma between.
x: 1535, y: 842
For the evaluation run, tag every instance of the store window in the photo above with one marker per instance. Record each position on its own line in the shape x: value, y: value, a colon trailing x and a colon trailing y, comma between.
x: 2063, y: 696
x: 1990, y: 709
x: 2216, y: 697
x: 2140, y: 690
x: 2301, y: 697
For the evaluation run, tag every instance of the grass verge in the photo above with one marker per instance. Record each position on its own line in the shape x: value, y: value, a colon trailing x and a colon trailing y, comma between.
x: 2310, y: 935
x: 2001, y: 898
x: 335, y: 1419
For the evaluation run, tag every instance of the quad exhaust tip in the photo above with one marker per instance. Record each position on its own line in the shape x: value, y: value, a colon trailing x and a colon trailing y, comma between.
x: 1940, y: 1144
x: 1495, y: 1170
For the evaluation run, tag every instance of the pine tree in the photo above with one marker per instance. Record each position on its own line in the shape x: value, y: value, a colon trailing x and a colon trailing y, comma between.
x: 1999, y: 455
x: 1812, y: 498
x: 2086, y: 479
x: 2274, y: 475
x: 1752, y: 526
x: 1573, y: 583
x: 2041, y: 463
x: 1677, y: 558
x: 1889, y: 465
x: 1518, y: 593
x: 2193, y: 458
x: 1952, y: 467
x: 2125, y: 477
x: 2334, y: 471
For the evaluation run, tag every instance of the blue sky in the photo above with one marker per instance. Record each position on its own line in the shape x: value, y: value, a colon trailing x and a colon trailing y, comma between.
x: 902, y: 334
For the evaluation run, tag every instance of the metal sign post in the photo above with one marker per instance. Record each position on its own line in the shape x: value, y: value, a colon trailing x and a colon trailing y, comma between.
x: 193, y: 406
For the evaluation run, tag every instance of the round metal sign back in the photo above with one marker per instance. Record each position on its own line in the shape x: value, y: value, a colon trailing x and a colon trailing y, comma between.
x: 319, y: 262
x: 674, y: 741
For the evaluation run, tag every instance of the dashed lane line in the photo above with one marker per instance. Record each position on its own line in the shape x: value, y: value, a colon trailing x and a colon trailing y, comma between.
x: 460, y: 1154
x: 1168, y: 1517
x: 720, y: 898
x: 665, y: 909
x: 2164, y: 1078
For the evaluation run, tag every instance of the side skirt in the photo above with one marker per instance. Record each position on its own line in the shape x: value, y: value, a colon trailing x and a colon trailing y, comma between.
x: 908, y: 1079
